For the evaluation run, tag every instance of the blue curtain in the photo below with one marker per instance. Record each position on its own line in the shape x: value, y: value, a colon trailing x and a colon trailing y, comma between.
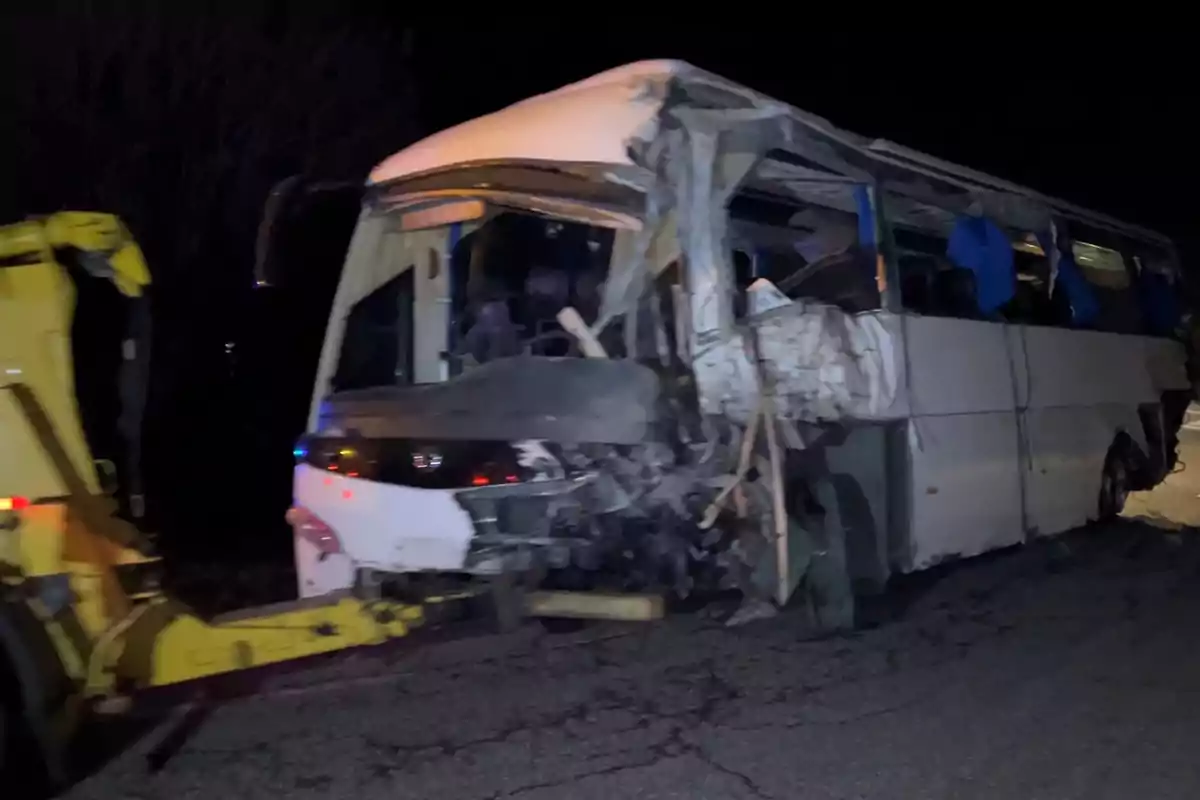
x: 1085, y: 308
x: 1160, y: 305
x: 978, y: 244
x: 866, y: 220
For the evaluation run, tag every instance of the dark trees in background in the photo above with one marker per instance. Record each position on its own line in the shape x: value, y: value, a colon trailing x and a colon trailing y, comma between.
x: 181, y: 121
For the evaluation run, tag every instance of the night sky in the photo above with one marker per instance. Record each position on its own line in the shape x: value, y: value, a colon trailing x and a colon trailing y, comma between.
x: 1100, y: 122
x: 182, y: 124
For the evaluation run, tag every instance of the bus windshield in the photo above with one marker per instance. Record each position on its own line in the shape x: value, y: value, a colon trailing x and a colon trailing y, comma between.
x: 512, y: 276
x: 502, y: 283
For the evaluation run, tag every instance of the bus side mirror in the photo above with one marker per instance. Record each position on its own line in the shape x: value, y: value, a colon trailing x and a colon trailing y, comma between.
x: 263, y: 272
x: 295, y: 204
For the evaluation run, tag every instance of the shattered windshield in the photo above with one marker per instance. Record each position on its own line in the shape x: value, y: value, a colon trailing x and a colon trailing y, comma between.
x: 512, y: 276
x: 496, y: 293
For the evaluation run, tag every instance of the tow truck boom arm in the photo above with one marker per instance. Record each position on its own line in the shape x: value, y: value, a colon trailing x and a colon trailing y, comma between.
x: 104, y: 247
x: 37, y: 306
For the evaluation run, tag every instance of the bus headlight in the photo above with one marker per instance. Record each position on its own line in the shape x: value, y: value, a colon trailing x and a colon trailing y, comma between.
x: 426, y: 459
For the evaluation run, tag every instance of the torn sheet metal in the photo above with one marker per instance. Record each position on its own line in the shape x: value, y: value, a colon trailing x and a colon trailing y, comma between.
x: 826, y: 364
x: 823, y: 363
x: 710, y: 135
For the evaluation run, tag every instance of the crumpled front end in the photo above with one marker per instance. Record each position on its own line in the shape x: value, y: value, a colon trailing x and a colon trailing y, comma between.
x: 685, y: 447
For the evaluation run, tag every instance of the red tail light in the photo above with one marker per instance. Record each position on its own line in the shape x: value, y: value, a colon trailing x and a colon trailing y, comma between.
x: 14, y: 503
x: 309, y: 527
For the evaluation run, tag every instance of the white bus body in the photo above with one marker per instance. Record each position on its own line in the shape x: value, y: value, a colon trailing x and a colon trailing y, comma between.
x: 902, y: 430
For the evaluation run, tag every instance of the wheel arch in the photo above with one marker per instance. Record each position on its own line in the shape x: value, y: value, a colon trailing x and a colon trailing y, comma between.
x: 1133, y: 436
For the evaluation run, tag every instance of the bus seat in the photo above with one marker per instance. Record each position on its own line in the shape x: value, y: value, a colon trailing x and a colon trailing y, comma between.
x: 955, y: 293
x: 917, y: 276
x: 494, y: 334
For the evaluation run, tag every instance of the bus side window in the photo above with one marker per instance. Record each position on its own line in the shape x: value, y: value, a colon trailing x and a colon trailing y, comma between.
x: 808, y: 248
x: 1158, y: 299
x: 917, y: 279
x: 1033, y: 303
x: 1108, y: 284
x: 1110, y: 278
x: 929, y: 283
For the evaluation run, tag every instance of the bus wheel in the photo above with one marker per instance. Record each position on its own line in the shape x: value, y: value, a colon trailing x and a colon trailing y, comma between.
x: 1114, y: 483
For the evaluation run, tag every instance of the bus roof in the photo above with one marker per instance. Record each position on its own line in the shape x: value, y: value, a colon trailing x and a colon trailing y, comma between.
x: 590, y: 121
x: 595, y: 120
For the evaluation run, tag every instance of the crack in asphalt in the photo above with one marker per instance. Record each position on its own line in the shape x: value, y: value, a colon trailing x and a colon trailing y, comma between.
x: 673, y: 745
x: 659, y: 692
x: 716, y: 693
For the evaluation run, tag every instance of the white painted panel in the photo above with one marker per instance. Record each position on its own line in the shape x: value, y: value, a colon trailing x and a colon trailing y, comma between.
x: 316, y: 576
x: 957, y: 366
x: 590, y: 121
x: 1020, y: 362
x: 965, y: 490
x: 1083, y: 368
x: 431, y: 312
x: 1068, y: 446
x: 387, y: 527
x: 1167, y: 362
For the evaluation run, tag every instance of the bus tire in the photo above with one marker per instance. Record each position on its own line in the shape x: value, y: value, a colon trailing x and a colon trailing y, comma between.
x: 1115, y: 480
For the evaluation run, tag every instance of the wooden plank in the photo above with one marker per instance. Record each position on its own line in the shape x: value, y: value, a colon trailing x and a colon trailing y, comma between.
x: 595, y: 605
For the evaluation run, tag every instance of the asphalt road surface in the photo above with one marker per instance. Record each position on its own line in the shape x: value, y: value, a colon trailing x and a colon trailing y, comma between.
x: 1067, y: 671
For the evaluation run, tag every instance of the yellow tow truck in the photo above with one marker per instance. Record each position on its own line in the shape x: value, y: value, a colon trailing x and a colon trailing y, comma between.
x: 84, y: 622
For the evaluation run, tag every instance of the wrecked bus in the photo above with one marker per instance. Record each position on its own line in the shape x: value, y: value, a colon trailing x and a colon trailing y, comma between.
x: 657, y: 331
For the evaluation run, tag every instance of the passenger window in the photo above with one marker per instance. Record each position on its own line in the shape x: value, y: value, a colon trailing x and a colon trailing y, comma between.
x: 1096, y: 286
x: 930, y: 284
x: 807, y: 249
x: 1109, y: 278
x: 1033, y: 301
x: 933, y: 284
x: 1158, y: 295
